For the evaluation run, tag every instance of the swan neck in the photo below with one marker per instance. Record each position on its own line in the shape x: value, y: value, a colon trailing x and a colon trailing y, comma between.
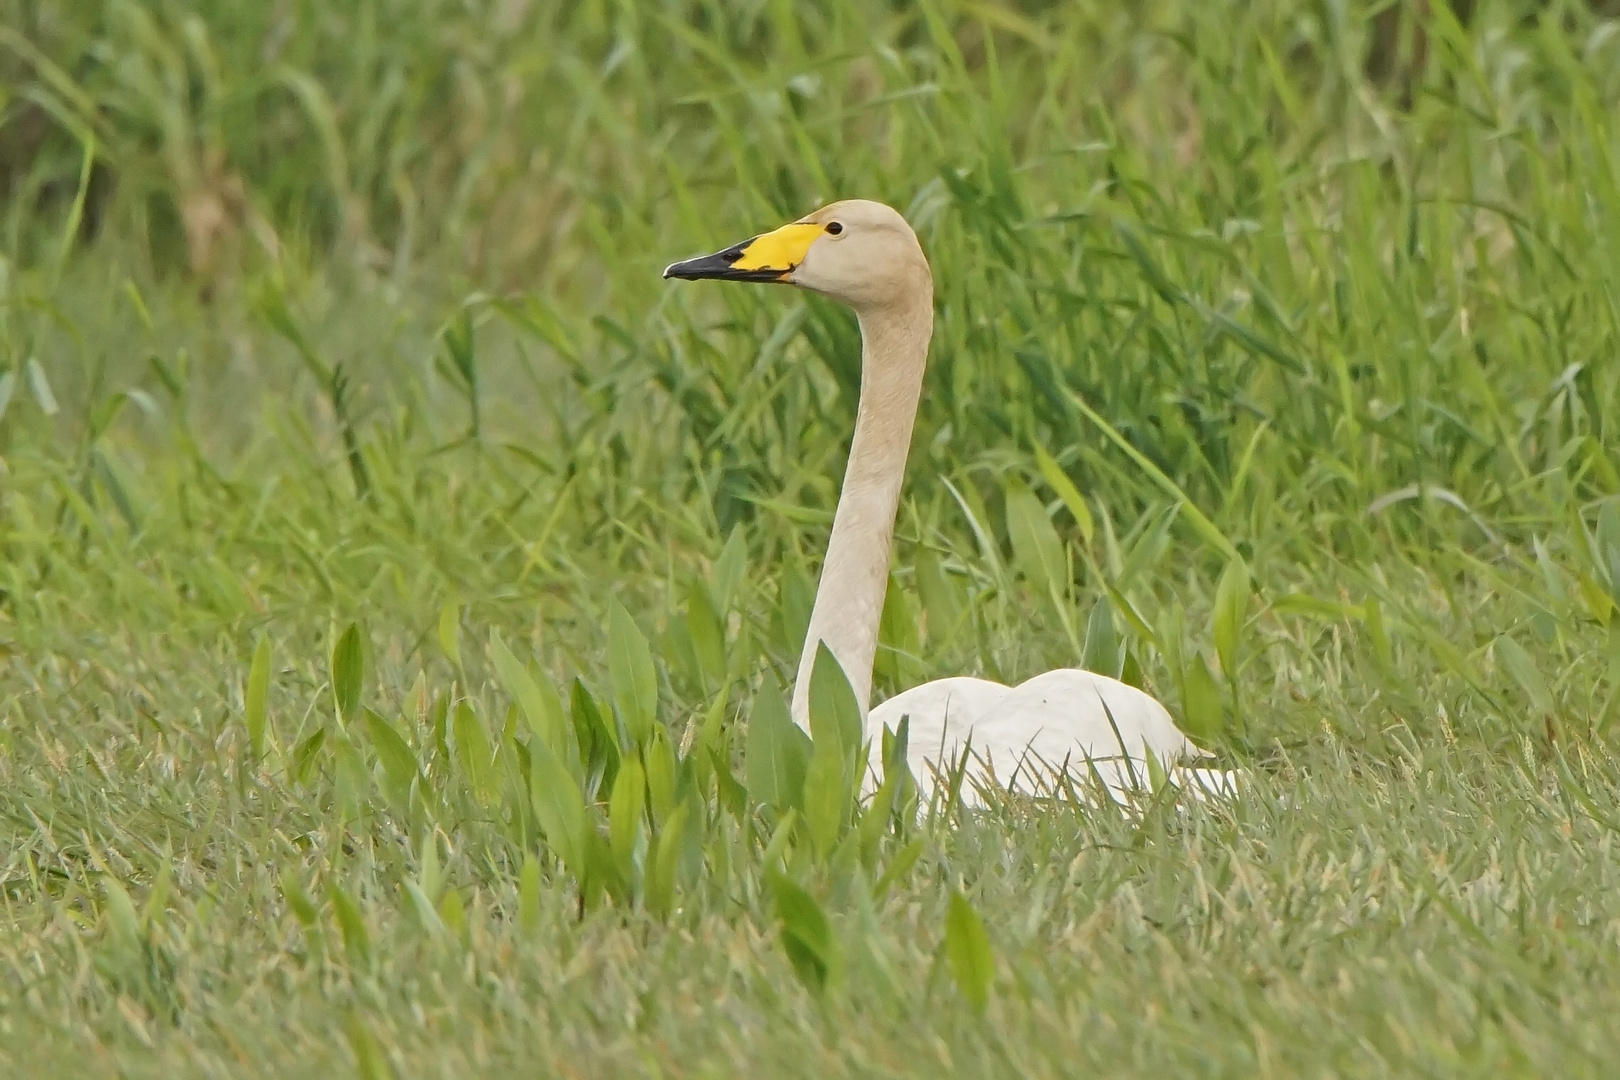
x: 855, y: 573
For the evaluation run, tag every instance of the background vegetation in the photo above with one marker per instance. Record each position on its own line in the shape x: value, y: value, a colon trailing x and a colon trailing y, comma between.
x: 398, y: 580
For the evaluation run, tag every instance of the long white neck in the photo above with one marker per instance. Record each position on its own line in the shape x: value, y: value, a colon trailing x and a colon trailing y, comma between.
x: 855, y: 573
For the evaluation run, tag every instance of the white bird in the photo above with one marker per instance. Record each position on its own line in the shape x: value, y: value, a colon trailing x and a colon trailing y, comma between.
x: 1023, y: 738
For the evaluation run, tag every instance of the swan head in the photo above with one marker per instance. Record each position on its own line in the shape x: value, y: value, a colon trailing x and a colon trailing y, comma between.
x: 857, y: 252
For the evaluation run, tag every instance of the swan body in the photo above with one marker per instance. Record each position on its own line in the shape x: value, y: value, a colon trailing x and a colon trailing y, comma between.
x: 1026, y: 738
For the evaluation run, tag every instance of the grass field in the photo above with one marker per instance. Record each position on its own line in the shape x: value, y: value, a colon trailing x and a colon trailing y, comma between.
x: 398, y: 580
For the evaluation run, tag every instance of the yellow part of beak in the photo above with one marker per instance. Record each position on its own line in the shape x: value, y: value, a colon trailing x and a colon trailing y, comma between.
x: 781, y: 250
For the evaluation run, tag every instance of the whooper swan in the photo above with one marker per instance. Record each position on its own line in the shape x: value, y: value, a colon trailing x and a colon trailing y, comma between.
x: 864, y: 255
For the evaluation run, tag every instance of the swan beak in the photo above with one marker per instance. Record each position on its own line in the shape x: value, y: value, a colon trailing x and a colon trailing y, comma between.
x: 771, y: 257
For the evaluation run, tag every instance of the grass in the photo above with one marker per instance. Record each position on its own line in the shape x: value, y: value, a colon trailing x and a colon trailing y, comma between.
x: 398, y: 581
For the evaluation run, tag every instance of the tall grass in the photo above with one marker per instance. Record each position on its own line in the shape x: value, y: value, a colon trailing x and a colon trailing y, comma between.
x: 398, y: 582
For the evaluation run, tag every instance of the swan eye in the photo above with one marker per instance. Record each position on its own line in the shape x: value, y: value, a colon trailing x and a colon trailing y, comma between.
x: 834, y: 228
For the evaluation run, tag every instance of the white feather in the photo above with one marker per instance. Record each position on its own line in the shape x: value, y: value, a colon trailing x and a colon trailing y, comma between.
x: 1024, y: 738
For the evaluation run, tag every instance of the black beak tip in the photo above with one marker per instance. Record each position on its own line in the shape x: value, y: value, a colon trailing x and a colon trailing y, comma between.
x: 719, y: 267
x: 691, y: 269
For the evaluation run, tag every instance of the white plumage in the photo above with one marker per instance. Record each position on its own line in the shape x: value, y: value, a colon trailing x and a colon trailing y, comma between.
x: 1023, y: 737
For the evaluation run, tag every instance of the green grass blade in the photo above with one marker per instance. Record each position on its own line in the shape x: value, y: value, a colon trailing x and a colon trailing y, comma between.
x: 635, y: 680
x: 254, y: 698
x: 967, y: 951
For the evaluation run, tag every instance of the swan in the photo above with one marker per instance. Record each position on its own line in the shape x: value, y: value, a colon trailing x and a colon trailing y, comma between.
x: 1022, y: 738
